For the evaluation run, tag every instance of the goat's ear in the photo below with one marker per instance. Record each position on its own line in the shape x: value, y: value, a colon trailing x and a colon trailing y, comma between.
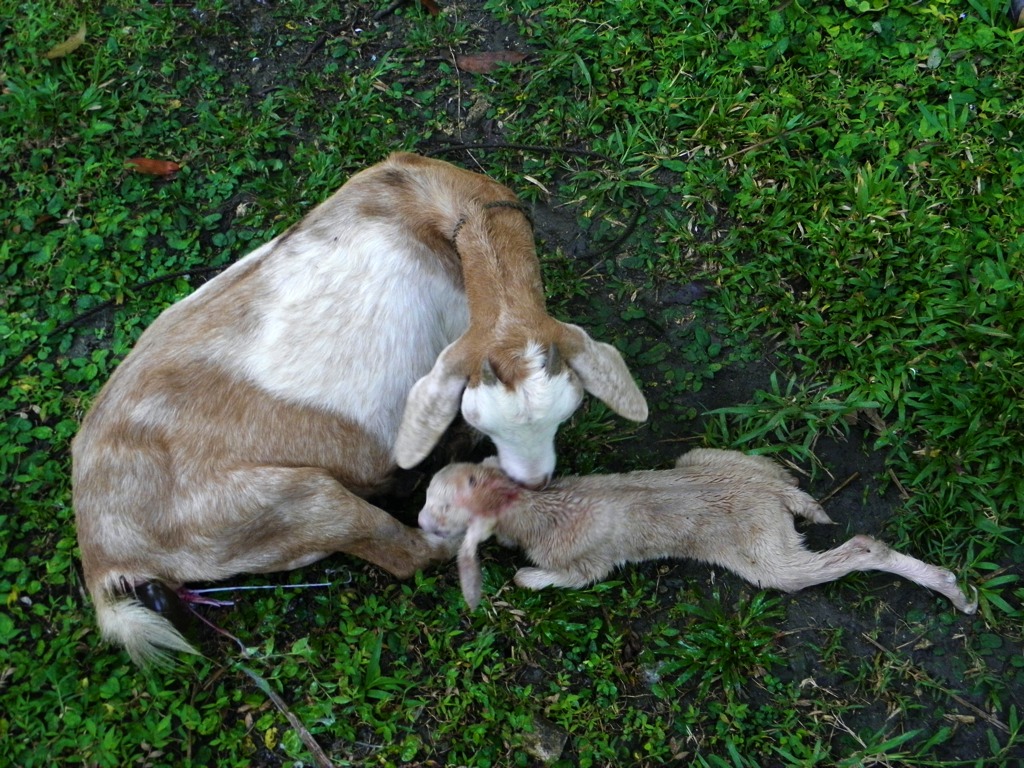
x: 432, y: 404
x: 603, y: 373
x: 493, y: 493
x: 480, y: 529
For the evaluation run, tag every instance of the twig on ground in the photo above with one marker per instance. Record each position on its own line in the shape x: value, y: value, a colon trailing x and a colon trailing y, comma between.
x: 839, y: 487
x: 314, y: 748
x: 903, y: 491
x: 391, y: 7
x: 920, y: 674
x: 317, y: 752
x: 317, y: 45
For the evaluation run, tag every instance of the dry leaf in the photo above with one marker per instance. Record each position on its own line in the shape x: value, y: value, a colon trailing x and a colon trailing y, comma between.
x: 154, y: 167
x: 487, y: 61
x: 63, y: 49
x: 431, y: 7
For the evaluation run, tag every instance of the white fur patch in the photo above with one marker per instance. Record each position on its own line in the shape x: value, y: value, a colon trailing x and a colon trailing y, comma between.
x: 352, y: 323
x: 523, y: 421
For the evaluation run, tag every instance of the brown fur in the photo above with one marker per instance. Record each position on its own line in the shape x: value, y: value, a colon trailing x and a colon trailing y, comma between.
x: 504, y: 291
x: 187, y: 470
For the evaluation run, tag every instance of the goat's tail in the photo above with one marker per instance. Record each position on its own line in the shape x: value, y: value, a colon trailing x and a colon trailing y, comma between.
x: 802, y: 505
x: 149, y: 637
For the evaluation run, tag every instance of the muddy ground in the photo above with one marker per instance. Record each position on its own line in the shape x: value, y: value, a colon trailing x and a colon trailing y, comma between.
x: 914, y: 636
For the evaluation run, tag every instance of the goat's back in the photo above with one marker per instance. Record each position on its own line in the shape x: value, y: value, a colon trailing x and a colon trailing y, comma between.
x: 332, y: 321
x: 713, y: 500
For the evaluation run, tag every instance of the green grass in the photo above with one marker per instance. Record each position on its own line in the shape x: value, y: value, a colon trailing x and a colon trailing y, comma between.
x: 838, y: 183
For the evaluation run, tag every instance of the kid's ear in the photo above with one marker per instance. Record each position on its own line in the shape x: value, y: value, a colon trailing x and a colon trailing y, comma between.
x: 480, y: 529
x: 492, y: 494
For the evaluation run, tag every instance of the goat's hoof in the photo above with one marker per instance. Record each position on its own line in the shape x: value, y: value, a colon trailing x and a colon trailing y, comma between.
x: 445, y: 547
x: 970, y: 607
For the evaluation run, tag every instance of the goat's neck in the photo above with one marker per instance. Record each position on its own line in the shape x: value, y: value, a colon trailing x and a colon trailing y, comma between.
x: 536, y: 518
x: 500, y: 268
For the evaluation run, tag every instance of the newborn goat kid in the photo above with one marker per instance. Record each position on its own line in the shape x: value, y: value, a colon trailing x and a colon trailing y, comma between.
x: 721, y: 507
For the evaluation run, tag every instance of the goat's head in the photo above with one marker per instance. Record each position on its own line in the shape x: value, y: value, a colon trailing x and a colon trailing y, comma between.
x: 445, y: 512
x: 461, y: 493
x: 523, y: 415
x: 466, y: 500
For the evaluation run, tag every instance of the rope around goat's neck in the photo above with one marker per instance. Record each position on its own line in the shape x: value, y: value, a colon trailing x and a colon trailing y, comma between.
x: 513, y: 204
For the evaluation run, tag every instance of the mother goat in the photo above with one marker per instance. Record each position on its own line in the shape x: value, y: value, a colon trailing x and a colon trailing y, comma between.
x: 251, y: 421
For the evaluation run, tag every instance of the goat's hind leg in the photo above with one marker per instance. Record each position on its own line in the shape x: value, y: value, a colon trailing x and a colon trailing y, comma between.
x: 863, y: 553
x: 800, y: 504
